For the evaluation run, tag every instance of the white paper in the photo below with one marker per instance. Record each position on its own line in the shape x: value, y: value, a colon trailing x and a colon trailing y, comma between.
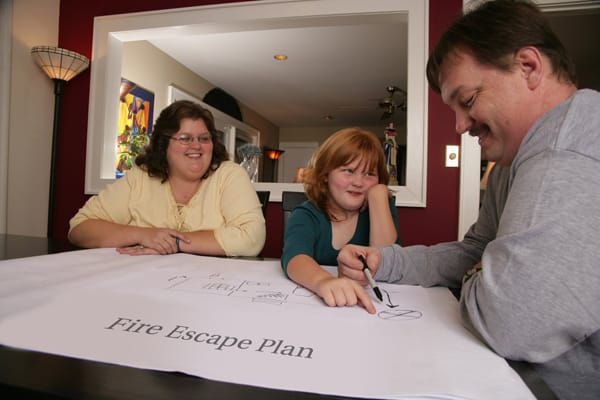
x: 244, y: 322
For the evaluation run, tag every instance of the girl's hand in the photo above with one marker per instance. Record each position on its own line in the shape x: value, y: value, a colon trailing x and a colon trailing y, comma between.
x: 341, y: 292
x: 377, y: 194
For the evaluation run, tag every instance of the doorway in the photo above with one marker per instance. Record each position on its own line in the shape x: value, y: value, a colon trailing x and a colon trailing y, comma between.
x: 297, y: 155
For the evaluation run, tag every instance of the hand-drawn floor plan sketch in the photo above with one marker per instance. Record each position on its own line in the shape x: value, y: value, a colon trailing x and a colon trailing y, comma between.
x: 258, y: 291
x: 218, y: 283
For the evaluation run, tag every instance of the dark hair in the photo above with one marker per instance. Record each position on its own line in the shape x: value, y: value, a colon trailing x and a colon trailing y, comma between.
x: 154, y: 158
x: 494, y: 31
x: 341, y: 148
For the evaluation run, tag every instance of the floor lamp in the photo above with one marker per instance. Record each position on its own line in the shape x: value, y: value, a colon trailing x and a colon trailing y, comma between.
x: 273, y: 155
x: 61, y: 66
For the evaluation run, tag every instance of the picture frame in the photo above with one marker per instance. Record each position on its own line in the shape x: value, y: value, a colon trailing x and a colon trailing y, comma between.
x: 136, y: 113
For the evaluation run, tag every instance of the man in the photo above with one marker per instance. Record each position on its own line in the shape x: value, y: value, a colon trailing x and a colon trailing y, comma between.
x: 530, y: 266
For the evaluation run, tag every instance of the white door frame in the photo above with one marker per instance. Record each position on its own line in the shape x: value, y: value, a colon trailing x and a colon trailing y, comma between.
x: 5, y: 62
x: 291, y: 145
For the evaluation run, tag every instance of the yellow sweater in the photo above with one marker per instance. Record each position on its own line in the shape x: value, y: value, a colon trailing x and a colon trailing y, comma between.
x: 225, y: 203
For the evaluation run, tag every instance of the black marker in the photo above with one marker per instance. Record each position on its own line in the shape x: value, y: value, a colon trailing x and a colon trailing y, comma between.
x: 372, y: 283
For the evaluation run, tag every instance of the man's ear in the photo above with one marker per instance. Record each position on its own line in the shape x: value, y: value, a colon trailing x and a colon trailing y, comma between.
x: 528, y: 60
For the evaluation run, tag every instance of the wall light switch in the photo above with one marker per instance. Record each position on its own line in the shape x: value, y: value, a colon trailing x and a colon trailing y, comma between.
x: 452, y: 156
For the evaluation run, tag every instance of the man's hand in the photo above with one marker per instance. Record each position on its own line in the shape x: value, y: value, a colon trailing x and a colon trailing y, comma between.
x: 350, y: 266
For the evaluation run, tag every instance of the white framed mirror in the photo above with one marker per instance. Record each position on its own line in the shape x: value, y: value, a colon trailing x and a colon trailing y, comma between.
x: 112, y: 32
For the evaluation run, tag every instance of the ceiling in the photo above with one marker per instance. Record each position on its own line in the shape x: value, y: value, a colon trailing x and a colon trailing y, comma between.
x: 338, y: 68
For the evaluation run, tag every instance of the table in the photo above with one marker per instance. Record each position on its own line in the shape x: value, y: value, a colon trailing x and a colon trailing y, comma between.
x: 17, y: 246
x: 35, y: 375
x: 31, y: 374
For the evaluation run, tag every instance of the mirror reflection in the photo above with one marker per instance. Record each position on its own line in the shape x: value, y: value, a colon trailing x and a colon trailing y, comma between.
x: 343, y: 68
x: 334, y: 74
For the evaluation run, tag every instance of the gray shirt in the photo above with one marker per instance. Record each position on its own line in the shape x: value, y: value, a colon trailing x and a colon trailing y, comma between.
x: 537, y: 297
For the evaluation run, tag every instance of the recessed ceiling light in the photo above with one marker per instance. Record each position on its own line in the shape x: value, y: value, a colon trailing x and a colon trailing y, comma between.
x: 280, y: 57
x: 328, y: 117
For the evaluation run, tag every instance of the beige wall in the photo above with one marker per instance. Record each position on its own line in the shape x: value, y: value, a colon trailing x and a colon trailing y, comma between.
x: 153, y: 70
x: 30, y: 116
x: 320, y: 133
x: 159, y: 71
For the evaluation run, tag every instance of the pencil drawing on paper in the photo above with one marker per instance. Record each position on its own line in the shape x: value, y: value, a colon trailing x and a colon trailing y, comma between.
x: 257, y: 291
x: 399, y: 315
x: 276, y: 293
x: 394, y: 314
x: 389, y: 300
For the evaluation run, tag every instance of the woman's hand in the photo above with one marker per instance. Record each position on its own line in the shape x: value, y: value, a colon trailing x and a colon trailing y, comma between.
x: 155, y: 241
x: 341, y: 292
x: 377, y: 195
x: 137, y: 250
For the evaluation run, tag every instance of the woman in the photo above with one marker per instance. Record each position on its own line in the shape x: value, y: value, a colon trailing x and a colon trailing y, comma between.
x: 346, y: 186
x: 182, y: 195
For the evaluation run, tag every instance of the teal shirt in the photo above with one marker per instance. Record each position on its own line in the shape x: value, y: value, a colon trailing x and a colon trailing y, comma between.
x: 308, y: 231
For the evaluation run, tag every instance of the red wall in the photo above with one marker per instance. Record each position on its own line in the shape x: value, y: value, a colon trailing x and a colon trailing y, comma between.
x: 436, y: 223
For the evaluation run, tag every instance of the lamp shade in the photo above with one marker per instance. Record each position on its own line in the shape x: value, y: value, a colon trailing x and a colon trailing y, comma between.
x: 59, y: 63
x: 273, y: 154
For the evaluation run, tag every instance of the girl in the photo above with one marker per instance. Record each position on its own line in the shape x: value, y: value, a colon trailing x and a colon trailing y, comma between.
x: 348, y: 202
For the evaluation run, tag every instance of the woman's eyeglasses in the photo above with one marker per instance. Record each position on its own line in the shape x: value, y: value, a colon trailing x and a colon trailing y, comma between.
x: 187, y: 140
